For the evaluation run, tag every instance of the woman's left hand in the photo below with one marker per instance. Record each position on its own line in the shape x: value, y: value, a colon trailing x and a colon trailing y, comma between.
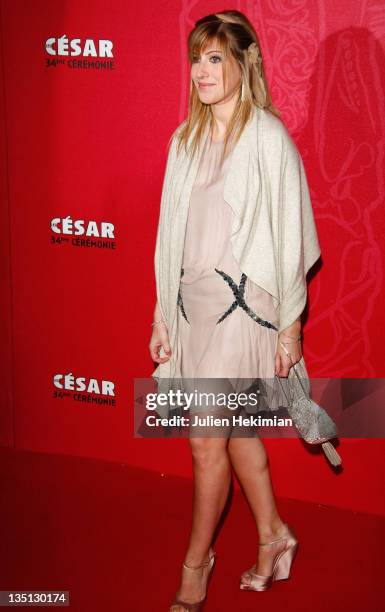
x: 283, y: 362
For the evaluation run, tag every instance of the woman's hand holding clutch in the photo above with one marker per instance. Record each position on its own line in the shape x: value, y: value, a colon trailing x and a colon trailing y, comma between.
x: 291, y: 339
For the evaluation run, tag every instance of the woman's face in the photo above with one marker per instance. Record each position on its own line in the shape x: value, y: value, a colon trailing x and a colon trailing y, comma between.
x: 206, y: 73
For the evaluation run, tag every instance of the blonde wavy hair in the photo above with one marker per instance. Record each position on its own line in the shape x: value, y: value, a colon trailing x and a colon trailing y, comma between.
x: 234, y: 34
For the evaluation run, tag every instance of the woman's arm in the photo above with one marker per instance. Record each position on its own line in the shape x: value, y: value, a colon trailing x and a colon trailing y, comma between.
x: 290, y: 337
x: 293, y: 330
x: 157, y: 313
x: 159, y: 338
x: 296, y: 244
x: 293, y: 226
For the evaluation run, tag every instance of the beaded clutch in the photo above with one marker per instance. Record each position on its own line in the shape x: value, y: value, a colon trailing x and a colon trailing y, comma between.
x: 312, y: 422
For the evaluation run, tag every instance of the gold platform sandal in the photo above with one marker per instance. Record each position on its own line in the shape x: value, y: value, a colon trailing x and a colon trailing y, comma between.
x: 197, y: 606
x: 250, y: 581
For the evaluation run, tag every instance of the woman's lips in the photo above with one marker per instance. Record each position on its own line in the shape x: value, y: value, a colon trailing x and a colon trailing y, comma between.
x: 204, y: 85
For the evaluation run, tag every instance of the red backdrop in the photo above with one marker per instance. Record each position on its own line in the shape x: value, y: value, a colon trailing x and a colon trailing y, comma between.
x: 85, y: 128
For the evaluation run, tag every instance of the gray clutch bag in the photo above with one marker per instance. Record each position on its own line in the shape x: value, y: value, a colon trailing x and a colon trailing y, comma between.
x: 311, y: 421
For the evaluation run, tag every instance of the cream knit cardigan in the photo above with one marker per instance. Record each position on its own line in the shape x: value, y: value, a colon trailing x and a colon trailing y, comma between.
x: 273, y: 235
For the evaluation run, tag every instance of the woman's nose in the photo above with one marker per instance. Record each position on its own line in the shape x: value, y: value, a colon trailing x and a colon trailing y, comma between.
x: 202, y: 70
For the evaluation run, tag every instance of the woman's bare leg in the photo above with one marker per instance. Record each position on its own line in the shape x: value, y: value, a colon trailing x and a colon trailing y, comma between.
x: 250, y: 462
x: 212, y: 476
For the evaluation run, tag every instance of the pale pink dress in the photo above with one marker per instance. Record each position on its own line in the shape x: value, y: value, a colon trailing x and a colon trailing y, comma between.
x: 237, y: 349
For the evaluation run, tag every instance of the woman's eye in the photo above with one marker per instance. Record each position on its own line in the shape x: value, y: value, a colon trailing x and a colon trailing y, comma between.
x: 212, y: 57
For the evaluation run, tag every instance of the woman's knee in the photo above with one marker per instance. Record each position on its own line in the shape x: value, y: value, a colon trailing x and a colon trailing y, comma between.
x: 207, y: 450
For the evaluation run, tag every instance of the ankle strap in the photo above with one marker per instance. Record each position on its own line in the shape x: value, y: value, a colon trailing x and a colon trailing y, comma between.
x: 199, y: 566
x: 277, y: 540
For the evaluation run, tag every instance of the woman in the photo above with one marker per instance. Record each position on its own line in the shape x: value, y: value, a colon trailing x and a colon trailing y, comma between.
x: 235, y: 240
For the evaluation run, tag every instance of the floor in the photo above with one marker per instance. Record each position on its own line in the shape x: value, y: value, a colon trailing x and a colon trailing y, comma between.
x: 114, y: 537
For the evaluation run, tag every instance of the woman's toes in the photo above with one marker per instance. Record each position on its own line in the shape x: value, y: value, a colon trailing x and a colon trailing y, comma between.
x: 246, y: 578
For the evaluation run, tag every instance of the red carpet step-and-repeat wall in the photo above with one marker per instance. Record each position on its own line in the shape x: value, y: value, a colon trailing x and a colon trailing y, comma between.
x: 90, y: 95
